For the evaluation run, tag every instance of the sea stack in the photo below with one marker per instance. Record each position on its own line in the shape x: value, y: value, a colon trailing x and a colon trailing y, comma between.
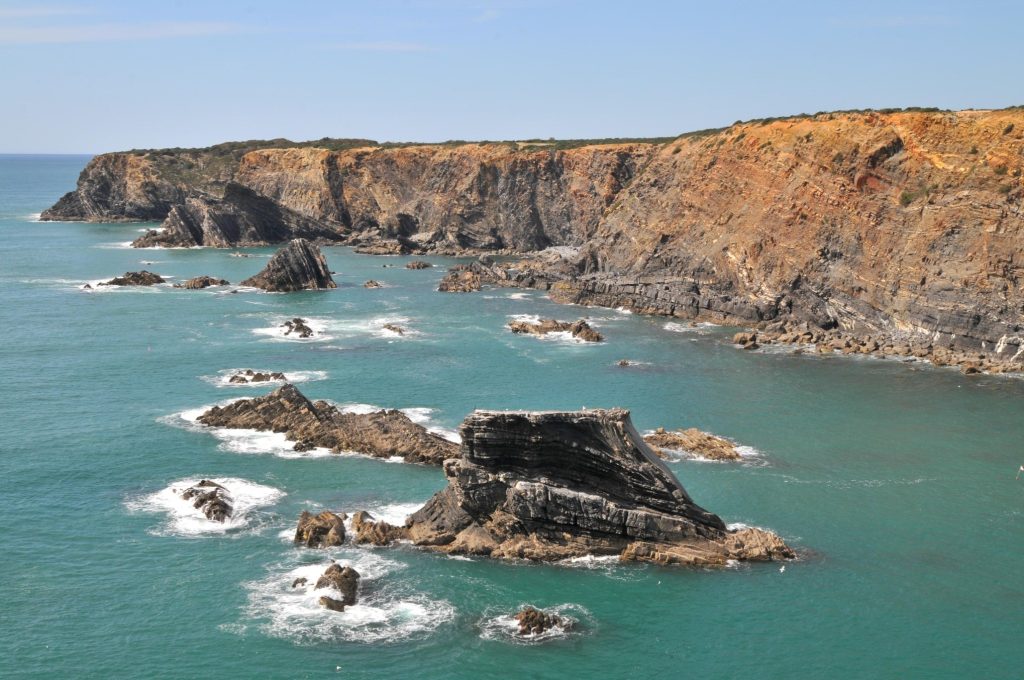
x: 297, y: 266
x: 554, y: 485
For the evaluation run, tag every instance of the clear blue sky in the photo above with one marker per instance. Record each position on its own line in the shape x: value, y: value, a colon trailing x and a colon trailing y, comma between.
x: 107, y: 75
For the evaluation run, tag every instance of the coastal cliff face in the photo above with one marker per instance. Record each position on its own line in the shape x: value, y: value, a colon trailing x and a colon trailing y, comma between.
x: 901, y: 226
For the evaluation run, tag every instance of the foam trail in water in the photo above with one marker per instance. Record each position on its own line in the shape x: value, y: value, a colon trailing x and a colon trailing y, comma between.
x: 389, y: 609
x: 185, y: 520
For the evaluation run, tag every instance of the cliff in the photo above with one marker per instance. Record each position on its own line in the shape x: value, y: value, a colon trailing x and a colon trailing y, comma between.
x: 894, y: 227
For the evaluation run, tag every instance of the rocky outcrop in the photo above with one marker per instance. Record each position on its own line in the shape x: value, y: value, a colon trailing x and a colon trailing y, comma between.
x: 211, y: 498
x: 200, y: 282
x: 367, y: 530
x: 298, y: 266
x: 344, y: 580
x: 249, y: 376
x: 461, y: 279
x: 553, y: 485
x: 418, y: 264
x: 143, y: 278
x: 693, y: 442
x: 298, y: 327
x: 373, y: 283
x: 240, y: 218
x: 322, y: 530
x: 578, y: 329
x: 533, y: 621
x: 382, y: 434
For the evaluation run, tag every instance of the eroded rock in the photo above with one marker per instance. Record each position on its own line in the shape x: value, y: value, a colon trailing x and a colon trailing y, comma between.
x: 322, y: 530
x: 693, y: 441
x: 297, y: 266
x: 143, y: 278
x: 345, y: 580
x: 578, y: 329
x: 210, y: 497
x: 201, y: 282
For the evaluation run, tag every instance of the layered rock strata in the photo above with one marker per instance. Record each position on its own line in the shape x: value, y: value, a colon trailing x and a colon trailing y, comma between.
x: 382, y: 434
x: 298, y: 266
x: 554, y: 485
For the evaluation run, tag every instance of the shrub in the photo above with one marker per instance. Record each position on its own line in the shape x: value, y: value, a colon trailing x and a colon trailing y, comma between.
x: 1008, y: 129
x: 999, y: 170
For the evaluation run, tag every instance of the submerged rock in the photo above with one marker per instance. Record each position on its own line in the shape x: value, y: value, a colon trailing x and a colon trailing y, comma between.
x: 298, y: 266
x: 418, y: 264
x: 210, y: 497
x: 554, y: 485
x: 394, y: 329
x: 373, y: 284
x: 201, y: 282
x: 533, y: 621
x: 143, y: 278
x: 692, y: 440
x: 321, y: 530
x: 579, y: 329
x: 382, y: 434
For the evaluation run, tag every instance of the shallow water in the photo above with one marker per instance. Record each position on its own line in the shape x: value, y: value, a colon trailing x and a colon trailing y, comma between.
x: 895, y: 480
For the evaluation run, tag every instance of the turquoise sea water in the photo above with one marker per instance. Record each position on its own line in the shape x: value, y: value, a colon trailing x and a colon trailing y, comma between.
x: 895, y: 481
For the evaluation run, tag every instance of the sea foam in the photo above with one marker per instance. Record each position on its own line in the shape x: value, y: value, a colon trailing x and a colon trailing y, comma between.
x: 185, y: 520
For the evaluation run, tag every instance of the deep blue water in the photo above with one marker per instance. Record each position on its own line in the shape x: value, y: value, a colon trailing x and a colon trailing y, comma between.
x: 896, y: 481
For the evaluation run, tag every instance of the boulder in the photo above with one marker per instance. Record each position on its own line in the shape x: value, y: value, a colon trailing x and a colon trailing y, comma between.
x: 345, y: 580
x: 322, y: 530
x: 554, y: 485
x: 579, y: 329
x: 210, y: 497
x: 297, y: 266
x: 298, y: 327
x: 693, y: 441
x: 383, y: 434
x: 533, y: 621
x: 201, y: 282
x: 143, y: 278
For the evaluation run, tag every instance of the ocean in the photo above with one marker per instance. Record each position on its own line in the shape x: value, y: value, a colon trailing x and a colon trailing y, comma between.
x: 895, y: 481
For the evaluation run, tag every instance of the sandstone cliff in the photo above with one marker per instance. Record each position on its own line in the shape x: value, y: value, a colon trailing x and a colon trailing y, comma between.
x: 900, y: 227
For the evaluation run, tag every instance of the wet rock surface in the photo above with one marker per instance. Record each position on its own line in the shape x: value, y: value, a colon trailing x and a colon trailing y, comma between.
x: 250, y: 376
x: 298, y: 327
x: 554, y: 485
x: 533, y: 621
x: 297, y: 266
x: 200, y: 282
x: 213, y: 499
x: 345, y: 580
x: 382, y: 434
x: 578, y: 329
x: 142, y: 278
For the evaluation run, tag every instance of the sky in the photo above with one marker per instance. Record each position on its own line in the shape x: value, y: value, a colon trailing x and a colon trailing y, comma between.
x: 107, y: 75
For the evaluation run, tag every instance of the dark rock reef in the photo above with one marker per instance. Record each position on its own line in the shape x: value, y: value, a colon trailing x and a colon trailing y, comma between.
x: 249, y: 376
x: 694, y: 442
x: 143, y: 278
x: 241, y: 218
x: 382, y: 434
x: 578, y: 329
x: 200, y: 282
x: 554, y: 485
x: 298, y: 327
x: 298, y: 266
x: 213, y: 499
x: 322, y: 530
x: 418, y: 264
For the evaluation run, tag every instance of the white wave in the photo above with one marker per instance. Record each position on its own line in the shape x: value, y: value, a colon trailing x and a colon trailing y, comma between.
x: 421, y: 415
x: 223, y: 378
x: 118, y: 245
x: 519, y: 296
x: 700, y: 328
x: 99, y: 286
x: 185, y: 520
x: 504, y: 627
x: 33, y: 217
x: 623, y: 310
x: 389, y: 609
x: 393, y: 513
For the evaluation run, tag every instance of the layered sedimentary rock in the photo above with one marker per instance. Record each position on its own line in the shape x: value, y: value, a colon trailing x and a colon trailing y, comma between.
x: 902, y: 227
x: 298, y: 266
x: 310, y: 425
x: 211, y: 498
x: 241, y: 218
x: 550, y: 485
